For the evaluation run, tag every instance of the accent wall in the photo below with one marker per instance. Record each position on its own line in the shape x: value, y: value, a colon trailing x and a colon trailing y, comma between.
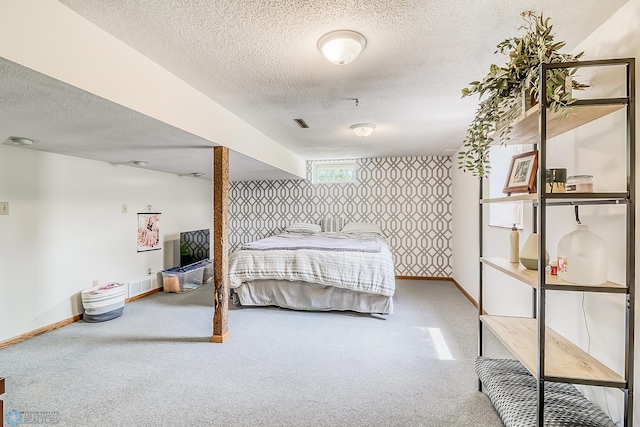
x: 408, y: 197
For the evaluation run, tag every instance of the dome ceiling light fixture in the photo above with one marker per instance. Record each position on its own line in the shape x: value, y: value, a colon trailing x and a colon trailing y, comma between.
x: 342, y: 47
x: 363, y: 129
x: 139, y: 163
x: 196, y: 174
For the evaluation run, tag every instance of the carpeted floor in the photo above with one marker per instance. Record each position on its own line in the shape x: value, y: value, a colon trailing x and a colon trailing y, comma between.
x: 155, y: 366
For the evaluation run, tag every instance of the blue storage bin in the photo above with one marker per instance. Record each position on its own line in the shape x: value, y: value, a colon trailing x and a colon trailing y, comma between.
x: 184, y: 279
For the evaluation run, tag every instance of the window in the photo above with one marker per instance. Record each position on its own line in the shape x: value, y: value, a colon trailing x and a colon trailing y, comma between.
x: 332, y: 172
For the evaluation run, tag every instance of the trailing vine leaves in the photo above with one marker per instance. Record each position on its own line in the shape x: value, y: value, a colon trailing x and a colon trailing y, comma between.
x: 501, y: 91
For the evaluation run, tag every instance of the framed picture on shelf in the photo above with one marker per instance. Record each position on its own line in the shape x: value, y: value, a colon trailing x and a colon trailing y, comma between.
x: 522, y: 173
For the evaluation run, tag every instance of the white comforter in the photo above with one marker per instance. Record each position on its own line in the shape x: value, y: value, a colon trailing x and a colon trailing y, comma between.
x: 358, y: 271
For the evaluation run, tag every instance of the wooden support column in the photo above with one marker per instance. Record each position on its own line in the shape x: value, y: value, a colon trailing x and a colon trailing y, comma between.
x: 220, y: 244
x: 1, y: 402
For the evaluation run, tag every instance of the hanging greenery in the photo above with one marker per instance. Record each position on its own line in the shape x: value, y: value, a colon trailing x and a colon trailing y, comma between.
x: 503, y: 89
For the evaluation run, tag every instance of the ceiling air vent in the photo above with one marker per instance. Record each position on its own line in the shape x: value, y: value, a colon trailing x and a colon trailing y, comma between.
x: 301, y: 123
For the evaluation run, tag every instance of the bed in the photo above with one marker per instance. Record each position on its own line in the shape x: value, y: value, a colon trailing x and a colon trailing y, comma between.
x: 304, y: 268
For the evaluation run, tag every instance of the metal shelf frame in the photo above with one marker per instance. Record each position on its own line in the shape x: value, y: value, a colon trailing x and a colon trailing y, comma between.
x: 544, y: 200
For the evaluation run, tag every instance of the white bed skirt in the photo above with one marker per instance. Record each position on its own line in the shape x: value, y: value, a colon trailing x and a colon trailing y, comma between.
x: 298, y: 295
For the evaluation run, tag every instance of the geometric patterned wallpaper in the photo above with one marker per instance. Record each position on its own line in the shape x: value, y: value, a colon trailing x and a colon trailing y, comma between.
x: 408, y: 197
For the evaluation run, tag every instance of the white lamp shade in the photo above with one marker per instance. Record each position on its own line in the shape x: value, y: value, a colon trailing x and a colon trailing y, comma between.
x: 341, y: 47
x: 363, y: 129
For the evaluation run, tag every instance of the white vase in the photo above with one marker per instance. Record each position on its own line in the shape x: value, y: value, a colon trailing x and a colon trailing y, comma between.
x: 582, y: 257
x: 529, y: 253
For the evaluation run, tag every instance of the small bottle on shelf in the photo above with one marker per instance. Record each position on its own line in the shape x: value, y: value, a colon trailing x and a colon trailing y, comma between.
x: 514, y: 245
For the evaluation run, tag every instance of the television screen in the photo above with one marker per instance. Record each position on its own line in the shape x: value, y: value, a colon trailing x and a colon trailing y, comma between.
x: 194, y: 246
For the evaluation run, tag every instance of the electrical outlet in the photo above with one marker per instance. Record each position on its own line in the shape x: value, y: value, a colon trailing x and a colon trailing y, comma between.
x: 149, y: 271
x: 4, y: 208
x: 95, y: 282
x: 124, y: 208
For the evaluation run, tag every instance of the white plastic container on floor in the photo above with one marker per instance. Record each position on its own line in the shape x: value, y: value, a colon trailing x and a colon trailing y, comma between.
x: 582, y: 257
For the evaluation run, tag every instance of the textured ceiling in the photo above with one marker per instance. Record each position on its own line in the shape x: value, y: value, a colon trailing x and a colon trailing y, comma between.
x: 259, y: 60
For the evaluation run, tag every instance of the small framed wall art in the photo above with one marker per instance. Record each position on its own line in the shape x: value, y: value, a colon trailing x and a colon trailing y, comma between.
x: 148, y: 237
x: 522, y: 173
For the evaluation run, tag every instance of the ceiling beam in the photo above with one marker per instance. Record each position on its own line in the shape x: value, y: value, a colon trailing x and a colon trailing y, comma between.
x: 63, y: 45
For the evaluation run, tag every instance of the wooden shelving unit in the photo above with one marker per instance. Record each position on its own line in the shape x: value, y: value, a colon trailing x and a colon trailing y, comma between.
x: 546, y: 354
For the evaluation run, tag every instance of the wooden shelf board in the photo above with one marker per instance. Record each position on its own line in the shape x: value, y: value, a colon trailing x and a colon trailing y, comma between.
x: 564, y: 198
x: 530, y: 277
x: 525, y: 128
x: 515, y: 198
x: 579, y: 197
x: 563, y: 358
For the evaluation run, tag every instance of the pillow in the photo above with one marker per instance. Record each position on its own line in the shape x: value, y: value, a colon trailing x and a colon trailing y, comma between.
x: 361, y: 227
x: 332, y: 224
x: 303, y: 227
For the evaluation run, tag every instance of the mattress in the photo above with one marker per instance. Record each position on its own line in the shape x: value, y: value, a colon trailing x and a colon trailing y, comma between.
x: 298, y: 295
x: 350, y: 270
x: 352, y: 263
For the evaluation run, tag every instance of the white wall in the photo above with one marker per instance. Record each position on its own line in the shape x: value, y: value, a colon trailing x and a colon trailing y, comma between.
x: 465, y: 249
x: 66, y: 228
x: 592, y: 321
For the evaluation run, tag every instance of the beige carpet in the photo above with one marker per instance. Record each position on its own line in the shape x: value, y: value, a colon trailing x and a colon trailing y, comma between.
x: 155, y: 366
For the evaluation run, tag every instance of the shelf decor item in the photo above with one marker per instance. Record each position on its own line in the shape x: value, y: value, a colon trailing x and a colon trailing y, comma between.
x: 529, y: 253
x: 582, y: 257
x: 521, y: 177
x: 580, y: 184
x: 508, y: 87
x: 514, y: 245
x: 556, y: 180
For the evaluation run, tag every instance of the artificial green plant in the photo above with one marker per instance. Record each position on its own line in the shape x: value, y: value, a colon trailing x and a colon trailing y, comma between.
x: 502, y: 90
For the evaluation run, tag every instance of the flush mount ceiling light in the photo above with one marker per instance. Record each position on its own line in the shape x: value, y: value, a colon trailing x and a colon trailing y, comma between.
x: 196, y: 174
x: 363, y: 129
x: 139, y: 163
x: 342, y: 47
x: 18, y: 140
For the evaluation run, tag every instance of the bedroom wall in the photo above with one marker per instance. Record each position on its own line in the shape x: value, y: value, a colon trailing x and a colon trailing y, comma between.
x: 66, y: 228
x: 408, y: 197
x: 594, y: 322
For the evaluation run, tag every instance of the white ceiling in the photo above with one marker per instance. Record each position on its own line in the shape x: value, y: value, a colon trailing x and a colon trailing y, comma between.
x: 259, y: 60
